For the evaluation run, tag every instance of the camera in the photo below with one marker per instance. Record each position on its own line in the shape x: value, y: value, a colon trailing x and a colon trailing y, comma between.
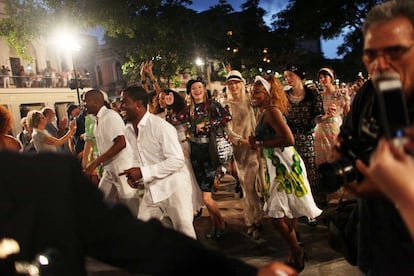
x: 394, y: 114
x: 393, y: 119
x: 335, y: 174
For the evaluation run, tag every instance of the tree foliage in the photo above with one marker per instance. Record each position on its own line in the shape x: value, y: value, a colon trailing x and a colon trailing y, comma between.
x: 326, y: 19
x: 173, y: 35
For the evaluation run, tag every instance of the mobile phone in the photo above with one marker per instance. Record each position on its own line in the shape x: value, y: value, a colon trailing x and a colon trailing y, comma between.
x: 393, y: 108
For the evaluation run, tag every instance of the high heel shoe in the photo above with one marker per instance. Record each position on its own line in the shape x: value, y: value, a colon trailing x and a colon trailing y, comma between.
x: 299, y: 264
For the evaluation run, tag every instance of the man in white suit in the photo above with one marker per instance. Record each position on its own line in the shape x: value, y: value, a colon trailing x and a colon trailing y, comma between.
x: 114, y: 152
x: 159, y: 163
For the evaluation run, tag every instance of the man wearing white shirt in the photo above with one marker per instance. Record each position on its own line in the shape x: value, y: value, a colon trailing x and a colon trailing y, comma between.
x: 159, y: 162
x: 114, y: 152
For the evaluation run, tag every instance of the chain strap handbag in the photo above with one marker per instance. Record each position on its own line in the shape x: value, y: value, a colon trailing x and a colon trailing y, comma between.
x: 220, y: 147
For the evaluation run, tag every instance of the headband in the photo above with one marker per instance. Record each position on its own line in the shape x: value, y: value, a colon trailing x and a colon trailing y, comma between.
x: 265, y: 83
x: 327, y: 71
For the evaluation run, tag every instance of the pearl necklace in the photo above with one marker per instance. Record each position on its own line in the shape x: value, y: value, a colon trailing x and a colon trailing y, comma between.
x: 296, y: 99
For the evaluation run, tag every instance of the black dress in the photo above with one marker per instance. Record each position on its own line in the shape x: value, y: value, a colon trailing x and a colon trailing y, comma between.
x: 301, y: 120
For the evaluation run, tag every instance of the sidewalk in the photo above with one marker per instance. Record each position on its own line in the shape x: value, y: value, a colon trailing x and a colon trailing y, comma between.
x: 321, y: 259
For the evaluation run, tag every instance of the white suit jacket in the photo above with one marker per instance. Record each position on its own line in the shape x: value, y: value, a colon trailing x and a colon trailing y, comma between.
x: 158, y: 153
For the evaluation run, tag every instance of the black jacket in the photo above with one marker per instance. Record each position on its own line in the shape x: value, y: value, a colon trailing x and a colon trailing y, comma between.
x: 384, y: 246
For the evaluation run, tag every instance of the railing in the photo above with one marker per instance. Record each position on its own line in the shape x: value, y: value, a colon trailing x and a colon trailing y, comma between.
x: 41, y: 82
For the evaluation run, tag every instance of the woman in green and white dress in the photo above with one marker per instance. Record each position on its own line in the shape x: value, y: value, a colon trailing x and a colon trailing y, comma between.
x: 289, y: 192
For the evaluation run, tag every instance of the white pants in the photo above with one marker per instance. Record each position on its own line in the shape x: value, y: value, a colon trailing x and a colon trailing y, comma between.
x: 116, y: 188
x: 6, y: 82
x: 178, y: 208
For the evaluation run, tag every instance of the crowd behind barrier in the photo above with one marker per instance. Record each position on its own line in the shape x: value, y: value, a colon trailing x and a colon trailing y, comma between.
x: 47, y: 79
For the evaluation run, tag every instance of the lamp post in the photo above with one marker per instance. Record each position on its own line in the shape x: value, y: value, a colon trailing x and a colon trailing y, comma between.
x: 75, y: 78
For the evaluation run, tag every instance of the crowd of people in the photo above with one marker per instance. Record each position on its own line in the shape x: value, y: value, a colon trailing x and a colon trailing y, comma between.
x: 47, y: 78
x: 156, y: 156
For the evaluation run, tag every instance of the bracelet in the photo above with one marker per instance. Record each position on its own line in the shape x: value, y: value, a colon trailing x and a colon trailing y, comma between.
x: 143, y: 82
x: 259, y: 142
x: 154, y: 81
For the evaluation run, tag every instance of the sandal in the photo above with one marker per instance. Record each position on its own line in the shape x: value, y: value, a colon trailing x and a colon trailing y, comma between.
x: 211, y: 234
x: 221, y: 231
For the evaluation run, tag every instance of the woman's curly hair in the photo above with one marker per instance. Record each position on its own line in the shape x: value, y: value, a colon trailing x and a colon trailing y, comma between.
x: 5, y: 120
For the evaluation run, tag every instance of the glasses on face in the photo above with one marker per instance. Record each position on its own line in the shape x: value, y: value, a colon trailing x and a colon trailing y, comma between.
x: 389, y: 53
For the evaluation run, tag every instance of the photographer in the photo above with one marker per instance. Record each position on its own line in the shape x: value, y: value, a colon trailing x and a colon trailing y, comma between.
x: 384, y: 246
x: 389, y: 169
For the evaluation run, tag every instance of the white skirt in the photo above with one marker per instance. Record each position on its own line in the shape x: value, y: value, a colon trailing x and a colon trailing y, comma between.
x: 289, y: 190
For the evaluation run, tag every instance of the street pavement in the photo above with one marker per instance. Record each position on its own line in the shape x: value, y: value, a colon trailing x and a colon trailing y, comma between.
x: 321, y: 259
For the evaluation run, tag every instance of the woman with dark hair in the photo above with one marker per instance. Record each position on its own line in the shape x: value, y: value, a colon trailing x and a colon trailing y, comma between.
x: 336, y: 104
x: 201, y: 115
x: 177, y: 105
x: 7, y: 142
x: 305, y: 108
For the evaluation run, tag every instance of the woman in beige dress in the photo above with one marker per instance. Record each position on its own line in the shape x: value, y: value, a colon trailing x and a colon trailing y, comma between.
x: 246, y: 159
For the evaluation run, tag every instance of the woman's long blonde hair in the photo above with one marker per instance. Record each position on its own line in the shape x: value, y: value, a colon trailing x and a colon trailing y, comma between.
x: 192, y: 103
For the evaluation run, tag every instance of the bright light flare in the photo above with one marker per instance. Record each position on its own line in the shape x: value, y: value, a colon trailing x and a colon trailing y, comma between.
x: 199, y: 62
x: 66, y: 40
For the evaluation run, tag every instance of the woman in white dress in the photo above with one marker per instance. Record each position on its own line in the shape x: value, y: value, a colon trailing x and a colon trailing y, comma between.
x: 290, y: 194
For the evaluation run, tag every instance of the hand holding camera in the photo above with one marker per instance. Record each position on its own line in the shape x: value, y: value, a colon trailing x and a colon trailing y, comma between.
x: 350, y: 170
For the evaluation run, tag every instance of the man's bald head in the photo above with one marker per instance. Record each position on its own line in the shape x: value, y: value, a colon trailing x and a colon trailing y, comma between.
x: 94, y: 100
x: 95, y: 95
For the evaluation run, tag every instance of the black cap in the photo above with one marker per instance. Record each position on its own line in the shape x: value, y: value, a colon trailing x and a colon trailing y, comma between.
x: 296, y: 69
x: 192, y: 81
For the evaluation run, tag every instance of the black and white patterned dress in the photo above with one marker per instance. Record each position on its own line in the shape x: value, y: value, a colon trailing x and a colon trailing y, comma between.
x: 301, y: 120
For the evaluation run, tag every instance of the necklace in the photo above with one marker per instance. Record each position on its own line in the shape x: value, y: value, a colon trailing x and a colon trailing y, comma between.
x: 295, y: 99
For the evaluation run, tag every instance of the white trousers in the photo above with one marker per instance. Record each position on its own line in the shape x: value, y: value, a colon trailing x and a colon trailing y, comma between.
x: 116, y: 188
x: 178, y: 208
